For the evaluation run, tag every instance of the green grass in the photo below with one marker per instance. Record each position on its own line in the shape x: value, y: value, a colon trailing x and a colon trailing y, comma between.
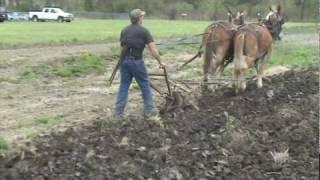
x: 84, y: 30
x: 33, y: 127
x: 43, y: 120
x: 34, y: 71
x: 4, y: 145
x: 50, y: 121
x: 28, y: 33
x: 299, y: 25
x: 9, y: 80
x: 285, y: 54
x: 69, y: 67
x: 32, y: 132
x: 135, y: 85
x: 82, y: 64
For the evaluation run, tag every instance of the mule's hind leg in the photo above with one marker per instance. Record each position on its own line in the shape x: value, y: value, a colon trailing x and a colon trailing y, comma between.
x: 208, y: 56
x: 205, y: 73
x: 243, y: 80
x: 217, y: 66
x: 237, y: 82
x: 260, y: 66
x: 260, y: 71
x: 220, y: 59
x: 239, y: 75
x: 240, y: 68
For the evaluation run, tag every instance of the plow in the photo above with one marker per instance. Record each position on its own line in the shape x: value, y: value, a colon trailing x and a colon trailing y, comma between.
x: 174, y: 93
x: 177, y: 93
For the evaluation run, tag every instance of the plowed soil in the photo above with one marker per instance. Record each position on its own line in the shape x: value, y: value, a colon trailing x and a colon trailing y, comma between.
x: 230, y: 137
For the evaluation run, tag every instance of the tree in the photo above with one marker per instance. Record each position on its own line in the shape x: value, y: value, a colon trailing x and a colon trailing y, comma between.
x: 88, y: 5
x: 302, y: 4
x: 194, y: 3
x: 25, y: 5
x: 120, y: 6
x: 183, y: 7
x: 213, y: 8
x: 172, y: 12
x: 202, y: 9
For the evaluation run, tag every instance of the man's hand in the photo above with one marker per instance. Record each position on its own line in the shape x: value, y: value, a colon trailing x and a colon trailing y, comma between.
x: 162, y: 65
x: 155, y: 53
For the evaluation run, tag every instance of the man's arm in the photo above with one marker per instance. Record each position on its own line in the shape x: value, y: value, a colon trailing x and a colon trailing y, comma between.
x: 155, y: 53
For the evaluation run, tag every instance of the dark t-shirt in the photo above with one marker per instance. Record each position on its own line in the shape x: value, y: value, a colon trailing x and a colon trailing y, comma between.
x: 133, y: 39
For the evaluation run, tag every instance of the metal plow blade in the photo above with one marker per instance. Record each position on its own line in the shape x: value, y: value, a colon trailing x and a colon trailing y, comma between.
x: 177, y: 102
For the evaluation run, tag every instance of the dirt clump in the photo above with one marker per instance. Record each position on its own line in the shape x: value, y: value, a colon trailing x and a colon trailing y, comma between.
x: 268, y: 133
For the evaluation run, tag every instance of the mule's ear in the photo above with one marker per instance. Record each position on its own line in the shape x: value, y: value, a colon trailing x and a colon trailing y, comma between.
x: 229, y: 18
x: 229, y: 11
x: 244, y: 13
x: 278, y: 8
x: 270, y: 8
x: 259, y: 16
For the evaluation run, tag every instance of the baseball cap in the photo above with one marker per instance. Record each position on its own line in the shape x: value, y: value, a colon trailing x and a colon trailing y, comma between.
x: 136, y: 13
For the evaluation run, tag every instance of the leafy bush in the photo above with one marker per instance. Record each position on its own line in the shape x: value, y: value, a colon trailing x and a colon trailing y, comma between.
x: 3, y: 143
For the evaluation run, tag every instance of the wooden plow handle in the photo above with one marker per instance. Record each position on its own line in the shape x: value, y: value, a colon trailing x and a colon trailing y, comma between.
x: 167, y: 80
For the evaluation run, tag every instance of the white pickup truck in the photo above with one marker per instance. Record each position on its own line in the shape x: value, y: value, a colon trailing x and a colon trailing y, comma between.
x: 46, y: 14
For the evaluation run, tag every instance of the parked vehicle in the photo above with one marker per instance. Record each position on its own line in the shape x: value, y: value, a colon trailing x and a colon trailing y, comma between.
x: 46, y: 14
x: 17, y: 16
x: 3, y: 16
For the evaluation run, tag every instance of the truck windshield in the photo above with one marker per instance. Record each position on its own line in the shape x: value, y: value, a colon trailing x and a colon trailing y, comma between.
x: 58, y: 10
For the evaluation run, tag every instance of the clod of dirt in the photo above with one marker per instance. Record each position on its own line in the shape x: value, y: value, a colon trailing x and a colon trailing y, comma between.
x: 171, y: 174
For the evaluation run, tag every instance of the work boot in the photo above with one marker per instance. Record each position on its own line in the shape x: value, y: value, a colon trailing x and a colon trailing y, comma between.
x: 150, y: 115
x: 118, y: 117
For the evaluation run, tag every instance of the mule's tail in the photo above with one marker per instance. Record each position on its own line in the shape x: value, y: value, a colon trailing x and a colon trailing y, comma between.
x: 208, y: 53
x: 240, y: 52
x: 240, y: 64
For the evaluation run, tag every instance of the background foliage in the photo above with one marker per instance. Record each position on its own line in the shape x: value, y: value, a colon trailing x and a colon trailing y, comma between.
x: 296, y: 10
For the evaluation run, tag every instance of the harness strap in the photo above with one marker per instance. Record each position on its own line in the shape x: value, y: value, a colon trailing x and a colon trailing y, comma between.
x: 257, y: 35
x: 251, y: 29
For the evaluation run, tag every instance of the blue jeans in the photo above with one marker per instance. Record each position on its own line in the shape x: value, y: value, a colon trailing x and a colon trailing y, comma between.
x: 129, y: 68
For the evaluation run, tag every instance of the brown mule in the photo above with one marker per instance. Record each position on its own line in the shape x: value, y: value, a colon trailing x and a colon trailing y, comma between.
x: 274, y: 22
x: 217, y: 41
x: 252, y: 46
x: 218, y: 44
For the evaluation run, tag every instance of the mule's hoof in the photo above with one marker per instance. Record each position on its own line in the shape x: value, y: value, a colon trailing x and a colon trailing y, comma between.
x: 259, y: 86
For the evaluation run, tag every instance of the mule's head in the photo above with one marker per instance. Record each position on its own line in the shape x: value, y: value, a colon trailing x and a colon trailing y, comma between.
x: 274, y: 22
x: 238, y: 18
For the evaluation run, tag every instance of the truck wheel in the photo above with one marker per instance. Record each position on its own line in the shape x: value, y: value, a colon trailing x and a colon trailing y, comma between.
x: 60, y: 19
x: 35, y: 19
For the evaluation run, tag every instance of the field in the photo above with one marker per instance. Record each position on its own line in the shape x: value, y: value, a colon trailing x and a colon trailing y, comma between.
x: 81, y: 31
x: 84, y: 31
x: 56, y: 108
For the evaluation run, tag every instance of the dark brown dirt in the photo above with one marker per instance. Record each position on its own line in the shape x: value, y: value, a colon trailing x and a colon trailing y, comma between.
x: 230, y: 138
